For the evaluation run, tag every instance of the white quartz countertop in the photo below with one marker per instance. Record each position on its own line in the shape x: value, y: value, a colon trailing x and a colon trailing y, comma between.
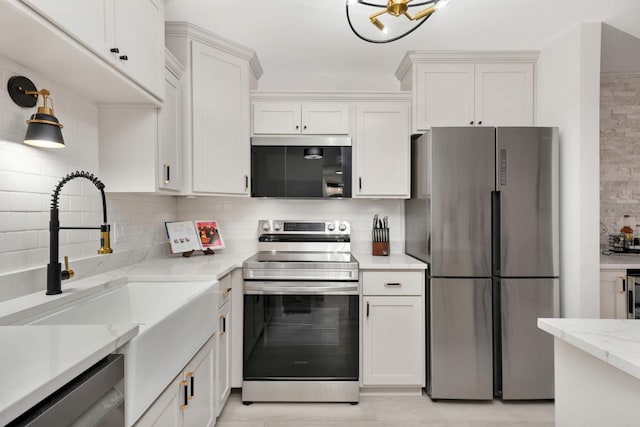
x: 614, y: 341
x: 619, y: 262
x: 35, y: 361
x: 390, y: 262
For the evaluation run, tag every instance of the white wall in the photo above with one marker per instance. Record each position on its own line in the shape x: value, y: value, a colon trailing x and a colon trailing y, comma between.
x: 29, y: 175
x: 568, y: 86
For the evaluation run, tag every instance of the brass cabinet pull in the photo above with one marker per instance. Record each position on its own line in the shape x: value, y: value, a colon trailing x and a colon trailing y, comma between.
x: 167, y: 173
x: 226, y: 291
x: 184, y: 384
x: 192, y: 380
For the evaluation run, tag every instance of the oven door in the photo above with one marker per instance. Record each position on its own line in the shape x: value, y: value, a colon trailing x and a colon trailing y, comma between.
x: 301, y: 332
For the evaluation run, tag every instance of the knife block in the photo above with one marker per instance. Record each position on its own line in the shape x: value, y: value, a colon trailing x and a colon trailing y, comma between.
x: 380, y: 248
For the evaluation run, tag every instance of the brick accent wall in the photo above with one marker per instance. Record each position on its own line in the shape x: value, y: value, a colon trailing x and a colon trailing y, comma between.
x: 619, y: 152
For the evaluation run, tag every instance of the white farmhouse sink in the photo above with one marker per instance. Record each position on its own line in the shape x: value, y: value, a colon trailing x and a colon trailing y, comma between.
x: 175, y: 319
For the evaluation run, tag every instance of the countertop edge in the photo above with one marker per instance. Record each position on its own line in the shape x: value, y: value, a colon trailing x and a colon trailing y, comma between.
x: 583, y: 334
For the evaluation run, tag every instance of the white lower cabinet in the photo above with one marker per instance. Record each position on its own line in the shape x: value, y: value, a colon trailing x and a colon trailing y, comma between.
x: 189, y: 401
x: 223, y: 366
x: 393, y: 352
x: 613, y: 294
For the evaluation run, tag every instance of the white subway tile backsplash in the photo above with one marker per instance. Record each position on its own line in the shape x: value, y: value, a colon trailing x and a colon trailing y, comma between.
x: 11, y: 221
x: 25, y: 202
x: 20, y: 241
x: 4, y: 201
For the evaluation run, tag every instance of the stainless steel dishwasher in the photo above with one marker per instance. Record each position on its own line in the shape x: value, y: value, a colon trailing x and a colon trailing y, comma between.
x: 93, y: 398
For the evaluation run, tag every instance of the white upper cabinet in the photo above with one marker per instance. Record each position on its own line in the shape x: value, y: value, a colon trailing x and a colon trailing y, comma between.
x: 127, y: 34
x: 382, y: 150
x: 444, y: 95
x: 139, y: 37
x: 219, y: 76
x: 140, y: 145
x: 504, y: 94
x: 300, y: 118
x: 469, y: 88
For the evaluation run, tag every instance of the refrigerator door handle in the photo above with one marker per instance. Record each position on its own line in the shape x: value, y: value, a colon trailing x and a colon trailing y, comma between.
x: 631, y: 298
x: 495, y: 232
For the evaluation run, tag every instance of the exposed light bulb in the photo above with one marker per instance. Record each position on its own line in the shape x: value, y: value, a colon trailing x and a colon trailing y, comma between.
x: 441, y: 3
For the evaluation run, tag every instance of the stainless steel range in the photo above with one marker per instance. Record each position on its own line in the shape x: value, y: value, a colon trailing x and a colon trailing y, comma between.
x: 301, y: 314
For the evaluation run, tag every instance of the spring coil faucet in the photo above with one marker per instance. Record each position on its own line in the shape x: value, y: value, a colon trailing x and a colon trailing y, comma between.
x: 55, y: 274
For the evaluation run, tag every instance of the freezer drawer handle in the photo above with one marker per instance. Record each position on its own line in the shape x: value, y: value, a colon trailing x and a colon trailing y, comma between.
x: 393, y: 284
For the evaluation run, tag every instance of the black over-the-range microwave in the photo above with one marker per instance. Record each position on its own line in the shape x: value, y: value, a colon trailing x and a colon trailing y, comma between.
x: 301, y: 166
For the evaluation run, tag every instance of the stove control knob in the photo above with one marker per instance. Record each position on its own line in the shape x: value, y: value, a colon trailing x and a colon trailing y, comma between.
x: 266, y: 226
x: 331, y: 227
x: 342, y: 227
x: 277, y: 226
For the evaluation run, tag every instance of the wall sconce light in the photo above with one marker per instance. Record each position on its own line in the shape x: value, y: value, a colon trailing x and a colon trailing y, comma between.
x: 44, y: 129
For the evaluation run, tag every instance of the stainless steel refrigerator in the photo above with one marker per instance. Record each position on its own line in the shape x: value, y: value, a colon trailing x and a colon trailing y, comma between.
x: 483, y: 214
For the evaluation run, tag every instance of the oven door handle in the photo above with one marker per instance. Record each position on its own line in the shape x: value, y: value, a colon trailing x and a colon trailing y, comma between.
x: 301, y: 288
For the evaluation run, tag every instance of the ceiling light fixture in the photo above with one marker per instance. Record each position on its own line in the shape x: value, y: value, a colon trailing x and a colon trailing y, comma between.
x: 44, y: 129
x: 394, y: 8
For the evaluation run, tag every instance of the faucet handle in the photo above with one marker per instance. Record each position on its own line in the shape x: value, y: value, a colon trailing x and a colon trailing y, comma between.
x: 67, y: 273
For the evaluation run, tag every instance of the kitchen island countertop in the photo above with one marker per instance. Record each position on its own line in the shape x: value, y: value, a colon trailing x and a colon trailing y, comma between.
x: 613, y: 341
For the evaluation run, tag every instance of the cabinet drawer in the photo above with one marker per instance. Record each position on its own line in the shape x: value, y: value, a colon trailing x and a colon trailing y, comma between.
x: 393, y: 283
x: 225, y: 290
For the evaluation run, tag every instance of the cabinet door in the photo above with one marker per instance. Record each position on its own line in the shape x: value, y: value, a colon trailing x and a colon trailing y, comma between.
x: 223, y: 377
x: 613, y: 287
x: 382, y: 147
x: 504, y: 94
x: 325, y: 118
x: 276, y: 118
x: 220, y: 121
x: 127, y: 150
x: 165, y: 411
x: 392, y: 341
x: 200, y: 376
x: 444, y: 95
x: 139, y: 35
x: 170, y: 136
x: 89, y: 22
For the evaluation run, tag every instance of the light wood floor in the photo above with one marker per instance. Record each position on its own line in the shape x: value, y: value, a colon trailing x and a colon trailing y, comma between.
x: 387, y: 411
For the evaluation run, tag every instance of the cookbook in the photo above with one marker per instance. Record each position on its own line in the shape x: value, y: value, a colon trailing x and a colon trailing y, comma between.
x: 185, y: 236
